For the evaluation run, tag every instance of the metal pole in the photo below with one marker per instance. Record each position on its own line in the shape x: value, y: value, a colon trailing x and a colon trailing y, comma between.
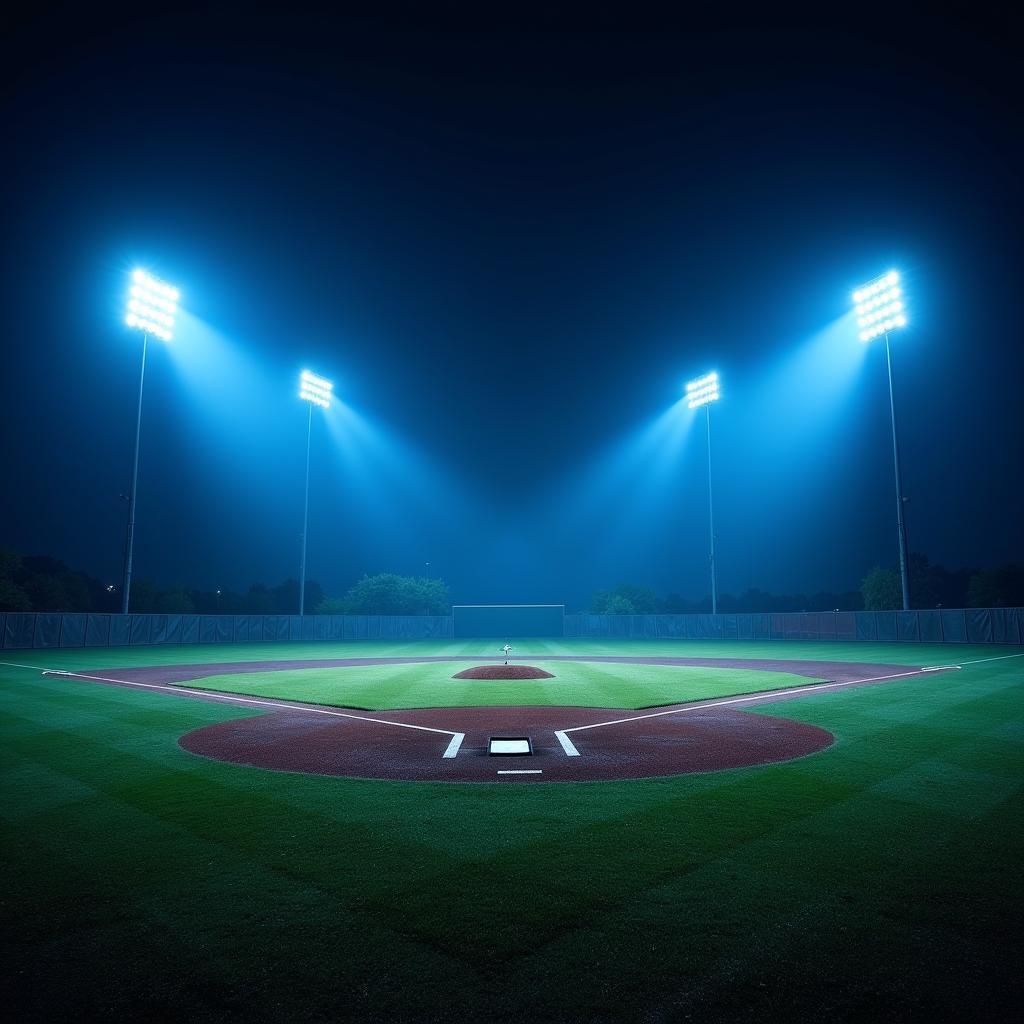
x: 711, y: 519
x: 130, y: 536
x: 901, y: 525
x: 305, y: 519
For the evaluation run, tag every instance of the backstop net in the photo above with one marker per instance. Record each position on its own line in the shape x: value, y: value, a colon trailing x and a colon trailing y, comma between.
x: 502, y: 621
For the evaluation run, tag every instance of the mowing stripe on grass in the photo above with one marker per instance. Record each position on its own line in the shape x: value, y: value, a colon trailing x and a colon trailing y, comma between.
x: 767, y: 695
x: 252, y: 700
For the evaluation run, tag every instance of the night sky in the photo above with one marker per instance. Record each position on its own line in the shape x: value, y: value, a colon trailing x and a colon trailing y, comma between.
x: 509, y: 245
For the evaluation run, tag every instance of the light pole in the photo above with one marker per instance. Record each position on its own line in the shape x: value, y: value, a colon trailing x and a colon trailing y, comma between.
x: 880, y: 310
x: 151, y: 308
x: 316, y: 391
x: 702, y: 392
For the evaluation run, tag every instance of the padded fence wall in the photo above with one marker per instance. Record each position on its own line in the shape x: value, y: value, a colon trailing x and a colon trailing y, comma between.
x: 943, y: 625
x: 57, y: 629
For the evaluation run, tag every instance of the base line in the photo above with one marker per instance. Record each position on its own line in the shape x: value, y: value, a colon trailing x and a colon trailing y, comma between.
x: 520, y: 771
x: 248, y: 700
x: 767, y: 695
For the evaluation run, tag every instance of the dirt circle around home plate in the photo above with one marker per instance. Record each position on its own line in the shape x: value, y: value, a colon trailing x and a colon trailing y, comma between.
x: 570, y: 744
x: 503, y: 672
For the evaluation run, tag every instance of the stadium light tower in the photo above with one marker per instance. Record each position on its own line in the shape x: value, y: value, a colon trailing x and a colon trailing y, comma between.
x: 702, y: 392
x: 880, y: 310
x: 152, y: 305
x: 316, y: 391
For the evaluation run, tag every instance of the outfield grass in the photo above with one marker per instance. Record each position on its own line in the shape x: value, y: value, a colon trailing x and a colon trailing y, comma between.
x: 379, y: 687
x: 808, y: 650
x: 879, y: 878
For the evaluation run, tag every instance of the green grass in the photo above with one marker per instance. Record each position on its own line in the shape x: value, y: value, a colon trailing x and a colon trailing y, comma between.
x: 878, y: 879
x: 188, y: 654
x: 423, y: 686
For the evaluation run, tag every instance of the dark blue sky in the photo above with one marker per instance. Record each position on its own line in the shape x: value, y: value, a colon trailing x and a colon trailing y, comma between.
x: 509, y: 245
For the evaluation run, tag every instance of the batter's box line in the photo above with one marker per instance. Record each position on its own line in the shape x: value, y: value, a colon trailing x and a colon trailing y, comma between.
x: 570, y: 749
x: 450, y: 751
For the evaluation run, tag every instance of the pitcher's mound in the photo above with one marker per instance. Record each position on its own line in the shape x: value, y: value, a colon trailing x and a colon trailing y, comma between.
x: 503, y: 672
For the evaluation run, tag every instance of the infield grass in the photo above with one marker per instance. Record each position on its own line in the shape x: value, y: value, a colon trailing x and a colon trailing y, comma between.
x: 877, y: 879
x: 590, y: 684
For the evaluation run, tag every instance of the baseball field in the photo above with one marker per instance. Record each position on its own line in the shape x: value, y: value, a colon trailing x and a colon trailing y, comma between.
x: 706, y: 831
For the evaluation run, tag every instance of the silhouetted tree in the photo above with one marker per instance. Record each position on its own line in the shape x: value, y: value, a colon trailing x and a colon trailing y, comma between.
x: 619, y: 604
x: 625, y: 599
x: 174, y: 601
x: 390, y: 594
x: 997, y: 588
x: 259, y: 601
x: 881, y: 589
x: 12, y: 597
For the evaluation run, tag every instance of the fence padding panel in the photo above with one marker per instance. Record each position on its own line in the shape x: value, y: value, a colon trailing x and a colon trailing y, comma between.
x: 72, y: 631
x: 47, y: 632
x: 19, y: 630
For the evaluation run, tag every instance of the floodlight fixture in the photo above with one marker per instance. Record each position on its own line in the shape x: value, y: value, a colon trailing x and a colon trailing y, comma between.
x: 880, y: 306
x: 151, y: 308
x: 316, y: 390
x: 881, y: 310
x: 702, y: 391
x: 152, y: 305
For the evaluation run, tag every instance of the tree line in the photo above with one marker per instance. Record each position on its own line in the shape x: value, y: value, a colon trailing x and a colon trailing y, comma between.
x: 931, y: 586
x: 38, y: 583
x: 43, y: 584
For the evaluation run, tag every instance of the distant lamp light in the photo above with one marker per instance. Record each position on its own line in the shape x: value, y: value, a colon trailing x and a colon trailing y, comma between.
x: 702, y: 391
x: 879, y: 306
x: 316, y: 390
x: 152, y: 306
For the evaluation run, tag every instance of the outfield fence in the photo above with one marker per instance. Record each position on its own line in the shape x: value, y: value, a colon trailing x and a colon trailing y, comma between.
x: 65, y: 629
x: 20, y: 630
x: 939, y: 625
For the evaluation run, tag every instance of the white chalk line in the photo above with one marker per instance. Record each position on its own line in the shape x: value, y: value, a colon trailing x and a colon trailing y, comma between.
x: 767, y: 695
x: 453, y: 748
x: 567, y: 744
x: 981, y: 661
x: 253, y: 700
x: 520, y: 771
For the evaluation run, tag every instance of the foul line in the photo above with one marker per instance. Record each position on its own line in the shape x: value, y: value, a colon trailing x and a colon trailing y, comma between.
x: 980, y: 661
x: 520, y: 771
x: 252, y: 700
x: 767, y: 695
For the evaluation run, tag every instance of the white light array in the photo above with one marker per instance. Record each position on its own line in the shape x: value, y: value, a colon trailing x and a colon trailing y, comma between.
x: 151, y: 305
x: 702, y: 391
x: 880, y: 306
x: 315, y: 389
